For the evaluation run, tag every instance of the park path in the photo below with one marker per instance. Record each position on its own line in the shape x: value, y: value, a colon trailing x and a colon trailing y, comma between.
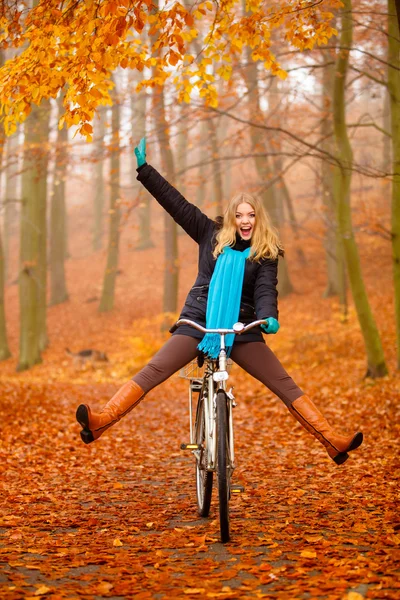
x: 117, y: 519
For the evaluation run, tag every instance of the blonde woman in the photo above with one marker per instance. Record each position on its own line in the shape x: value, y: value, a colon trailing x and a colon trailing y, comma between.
x: 238, y: 257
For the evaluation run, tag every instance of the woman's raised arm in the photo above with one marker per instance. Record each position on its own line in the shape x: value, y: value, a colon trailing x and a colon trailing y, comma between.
x: 188, y: 216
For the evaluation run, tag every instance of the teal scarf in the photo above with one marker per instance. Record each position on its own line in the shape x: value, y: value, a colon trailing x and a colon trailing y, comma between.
x: 223, y: 304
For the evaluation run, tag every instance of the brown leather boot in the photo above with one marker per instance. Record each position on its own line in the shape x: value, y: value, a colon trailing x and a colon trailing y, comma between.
x: 94, y: 424
x: 305, y: 411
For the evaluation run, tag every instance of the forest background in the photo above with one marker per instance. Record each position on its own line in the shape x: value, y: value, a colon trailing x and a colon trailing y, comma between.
x: 296, y: 102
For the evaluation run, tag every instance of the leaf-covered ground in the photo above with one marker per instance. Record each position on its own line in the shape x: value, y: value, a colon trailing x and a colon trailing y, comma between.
x: 117, y: 519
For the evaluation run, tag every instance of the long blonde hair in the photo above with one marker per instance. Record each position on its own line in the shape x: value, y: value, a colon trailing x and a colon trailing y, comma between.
x: 265, y: 241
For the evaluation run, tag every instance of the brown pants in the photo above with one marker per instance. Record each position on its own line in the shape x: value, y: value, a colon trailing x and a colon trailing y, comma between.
x: 254, y: 357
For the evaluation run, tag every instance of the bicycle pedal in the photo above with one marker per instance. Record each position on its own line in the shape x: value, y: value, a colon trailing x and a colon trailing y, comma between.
x: 237, y: 489
x: 190, y: 447
x: 196, y: 386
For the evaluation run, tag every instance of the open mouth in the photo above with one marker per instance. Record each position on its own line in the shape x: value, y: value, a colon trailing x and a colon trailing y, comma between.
x: 245, y: 231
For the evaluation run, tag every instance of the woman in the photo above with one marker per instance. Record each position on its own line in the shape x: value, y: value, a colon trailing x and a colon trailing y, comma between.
x: 238, y: 261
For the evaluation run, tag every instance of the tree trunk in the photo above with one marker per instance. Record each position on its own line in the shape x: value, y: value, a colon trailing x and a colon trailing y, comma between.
x: 201, y: 188
x: 138, y: 111
x: 181, y: 154
x: 263, y: 167
x: 387, y: 148
x: 44, y: 124
x: 4, y: 349
x: 32, y: 234
x: 107, y: 298
x: 333, y: 255
x: 171, y: 271
x: 10, y: 198
x: 287, y: 199
x: 394, y: 91
x: 397, y: 13
x: 99, y: 126
x: 182, y: 148
x: 342, y: 181
x: 171, y: 277
x: 227, y: 185
x: 282, y: 195
x: 57, y: 255
x: 216, y: 167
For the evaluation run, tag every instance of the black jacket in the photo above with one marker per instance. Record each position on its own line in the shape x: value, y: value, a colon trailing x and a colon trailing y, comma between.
x: 259, y: 293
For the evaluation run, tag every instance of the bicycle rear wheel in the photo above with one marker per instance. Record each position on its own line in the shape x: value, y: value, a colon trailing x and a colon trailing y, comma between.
x: 223, y: 465
x: 204, y: 478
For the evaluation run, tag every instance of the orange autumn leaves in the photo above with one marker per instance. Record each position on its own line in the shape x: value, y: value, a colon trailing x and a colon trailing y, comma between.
x: 118, y: 518
x: 77, y: 45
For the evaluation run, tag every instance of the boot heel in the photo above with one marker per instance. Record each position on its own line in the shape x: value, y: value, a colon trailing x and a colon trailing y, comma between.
x: 341, y: 458
x: 356, y: 441
x: 82, y: 416
x: 87, y: 436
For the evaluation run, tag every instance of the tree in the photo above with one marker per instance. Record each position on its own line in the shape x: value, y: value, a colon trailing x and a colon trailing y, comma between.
x: 171, y: 269
x: 211, y: 125
x: 387, y: 154
x: 33, y: 253
x: 394, y: 93
x: 216, y: 165
x: 263, y: 167
x: 32, y: 234
x: 397, y: 12
x: 283, y: 197
x: 4, y: 350
x: 57, y: 254
x: 108, y: 293
x: 10, y: 197
x: 342, y: 179
x: 79, y: 45
x: 201, y: 188
x: 139, y: 104
x: 182, y: 146
x: 336, y: 274
x: 43, y: 129
x: 99, y: 196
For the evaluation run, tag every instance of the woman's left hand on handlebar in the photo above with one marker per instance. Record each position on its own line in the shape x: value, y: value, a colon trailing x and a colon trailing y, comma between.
x: 271, y: 325
x: 140, y: 152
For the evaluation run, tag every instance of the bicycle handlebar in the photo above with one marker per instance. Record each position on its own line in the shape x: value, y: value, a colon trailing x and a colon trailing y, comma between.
x: 238, y: 328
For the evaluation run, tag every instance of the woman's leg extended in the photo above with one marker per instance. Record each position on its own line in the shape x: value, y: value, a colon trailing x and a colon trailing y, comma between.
x: 177, y: 352
x: 259, y: 360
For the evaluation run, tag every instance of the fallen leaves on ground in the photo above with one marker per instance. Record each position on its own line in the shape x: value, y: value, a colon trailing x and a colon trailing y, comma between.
x: 118, y: 518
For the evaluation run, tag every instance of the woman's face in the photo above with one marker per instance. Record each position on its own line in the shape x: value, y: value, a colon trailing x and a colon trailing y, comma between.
x: 245, y: 220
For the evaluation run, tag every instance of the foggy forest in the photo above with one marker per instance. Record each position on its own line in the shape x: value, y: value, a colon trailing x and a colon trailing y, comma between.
x: 297, y: 103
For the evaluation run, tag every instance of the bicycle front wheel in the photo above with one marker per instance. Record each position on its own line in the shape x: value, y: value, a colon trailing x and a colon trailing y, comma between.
x: 204, y: 478
x: 223, y: 465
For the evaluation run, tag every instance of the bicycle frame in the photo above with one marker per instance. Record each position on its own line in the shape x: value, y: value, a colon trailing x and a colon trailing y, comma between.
x: 214, y: 379
x: 209, y: 399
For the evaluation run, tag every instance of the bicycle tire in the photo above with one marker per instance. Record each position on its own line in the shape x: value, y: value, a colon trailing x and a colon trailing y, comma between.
x: 204, y: 478
x: 223, y: 465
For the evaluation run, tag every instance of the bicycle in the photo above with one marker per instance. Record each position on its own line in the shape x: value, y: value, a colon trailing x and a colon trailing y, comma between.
x: 211, y: 433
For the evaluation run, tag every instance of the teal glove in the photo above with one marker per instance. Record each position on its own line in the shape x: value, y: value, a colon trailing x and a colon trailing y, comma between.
x: 271, y: 325
x: 140, y: 152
